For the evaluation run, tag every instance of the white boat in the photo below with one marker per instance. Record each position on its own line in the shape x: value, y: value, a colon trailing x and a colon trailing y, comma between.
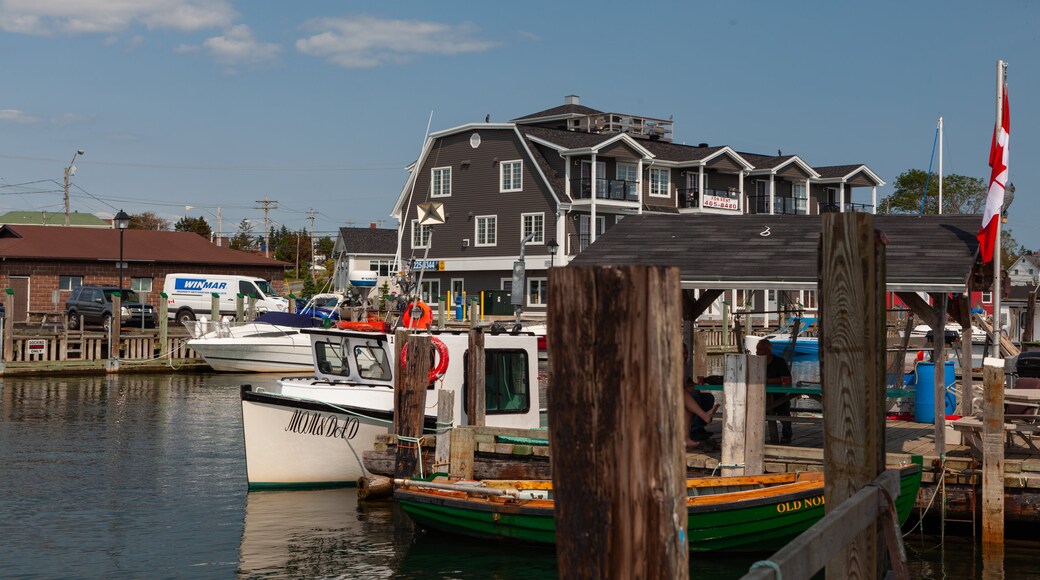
x: 805, y: 348
x: 272, y: 343
x: 311, y: 432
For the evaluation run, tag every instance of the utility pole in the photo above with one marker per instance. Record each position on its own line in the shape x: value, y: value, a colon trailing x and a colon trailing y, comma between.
x: 268, y: 205
x: 311, y: 214
x: 220, y: 234
x: 70, y: 170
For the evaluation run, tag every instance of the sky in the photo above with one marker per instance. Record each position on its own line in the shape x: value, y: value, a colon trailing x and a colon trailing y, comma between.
x: 320, y: 106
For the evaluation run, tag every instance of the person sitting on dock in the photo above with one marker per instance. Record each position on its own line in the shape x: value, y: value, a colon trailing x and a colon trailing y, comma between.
x: 694, y: 405
x: 777, y: 371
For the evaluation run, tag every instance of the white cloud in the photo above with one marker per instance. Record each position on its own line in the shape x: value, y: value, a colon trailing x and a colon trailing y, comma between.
x: 17, y: 117
x: 53, y: 17
x: 367, y: 41
x: 237, y: 46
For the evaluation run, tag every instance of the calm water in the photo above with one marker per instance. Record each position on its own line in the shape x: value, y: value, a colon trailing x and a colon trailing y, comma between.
x: 144, y: 477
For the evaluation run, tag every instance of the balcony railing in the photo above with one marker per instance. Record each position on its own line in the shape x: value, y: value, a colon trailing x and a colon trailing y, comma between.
x: 612, y: 189
x: 825, y: 207
x: 759, y: 204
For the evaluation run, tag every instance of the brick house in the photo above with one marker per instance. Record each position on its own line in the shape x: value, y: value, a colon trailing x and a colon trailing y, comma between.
x: 568, y: 174
x: 42, y: 264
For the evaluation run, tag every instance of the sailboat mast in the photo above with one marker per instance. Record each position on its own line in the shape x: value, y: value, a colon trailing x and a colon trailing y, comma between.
x: 940, y: 163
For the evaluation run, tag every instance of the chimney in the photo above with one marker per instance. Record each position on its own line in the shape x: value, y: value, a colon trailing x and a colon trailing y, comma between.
x: 372, y: 225
x: 571, y: 100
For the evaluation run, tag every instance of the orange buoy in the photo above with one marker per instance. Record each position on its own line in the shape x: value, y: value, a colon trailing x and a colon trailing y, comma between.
x: 421, y: 323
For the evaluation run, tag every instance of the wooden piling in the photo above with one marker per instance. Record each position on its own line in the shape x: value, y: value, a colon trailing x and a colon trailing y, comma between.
x: 410, y: 399
x: 616, y: 422
x: 939, y: 376
x: 164, y: 327
x: 476, y: 405
x: 700, y: 355
x: 214, y: 310
x: 9, y: 325
x: 743, y: 428
x: 445, y: 420
x: 240, y: 307
x: 993, y: 452
x: 852, y: 339
x: 116, y: 326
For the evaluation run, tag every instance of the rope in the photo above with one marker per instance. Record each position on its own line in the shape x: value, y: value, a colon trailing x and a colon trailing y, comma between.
x: 771, y: 565
x: 418, y: 446
x: 942, y: 478
x: 726, y: 465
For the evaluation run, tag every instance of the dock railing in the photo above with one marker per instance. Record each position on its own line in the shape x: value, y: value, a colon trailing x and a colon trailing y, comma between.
x: 814, y: 548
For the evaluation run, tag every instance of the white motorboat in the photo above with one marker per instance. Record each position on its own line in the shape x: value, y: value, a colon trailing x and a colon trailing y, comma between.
x: 311, y: 432
x: 269, y: 344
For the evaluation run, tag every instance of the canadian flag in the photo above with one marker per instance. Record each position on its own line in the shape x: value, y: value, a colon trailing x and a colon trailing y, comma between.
x: 998, y: 161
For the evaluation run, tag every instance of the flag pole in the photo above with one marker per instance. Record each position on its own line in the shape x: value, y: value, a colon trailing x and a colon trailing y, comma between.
x: 997, y: 331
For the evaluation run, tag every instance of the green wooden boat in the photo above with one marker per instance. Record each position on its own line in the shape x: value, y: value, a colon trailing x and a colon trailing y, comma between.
x: 750, y: 513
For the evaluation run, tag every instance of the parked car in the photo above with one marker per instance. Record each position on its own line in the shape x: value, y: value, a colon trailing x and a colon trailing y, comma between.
x: 94, y: 304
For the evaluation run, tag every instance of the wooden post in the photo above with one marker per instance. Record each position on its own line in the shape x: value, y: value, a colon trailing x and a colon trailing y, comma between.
x: 9, y: 325
x: 993, y: 453
x: 965, y: 403
x: 476, y: 403
x: 463, y: 443
x: 240, y: 307
x: 616, y: 422
x: 214, y: 309
x: 743, y: 415
x: 725, y: 324
x: 474, y: 312
x: 852, y: 340
x: 117, y: 326
x: 164, y: 328
x: 445, y: 420
x: 1027, y: 334
x: 410, y: 400
x: 442, y: 311
x: 291, y: 307
x: 939, y: 359
x: 252, y: 307
x: 700, y: 355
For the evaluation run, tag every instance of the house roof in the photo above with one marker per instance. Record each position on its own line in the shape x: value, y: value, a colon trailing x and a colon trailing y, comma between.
x: 567, y: 110
x: 89, y: 244
x: 930, y: 253
x: 53, y: 219
x: 369, y: 241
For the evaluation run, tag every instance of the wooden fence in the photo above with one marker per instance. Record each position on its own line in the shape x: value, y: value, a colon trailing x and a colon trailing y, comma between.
x: 94, y: 346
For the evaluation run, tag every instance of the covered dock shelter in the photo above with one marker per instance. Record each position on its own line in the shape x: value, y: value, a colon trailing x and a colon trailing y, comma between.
x: 933, y: 254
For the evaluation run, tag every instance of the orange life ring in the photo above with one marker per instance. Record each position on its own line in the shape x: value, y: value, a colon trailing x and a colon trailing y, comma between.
x: 421, y: 323
x: 442, y: 361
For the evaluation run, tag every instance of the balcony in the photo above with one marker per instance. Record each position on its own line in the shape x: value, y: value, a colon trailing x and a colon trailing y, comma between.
x: 825, y: 207
x: 759, y: 204
x: 608, y: 189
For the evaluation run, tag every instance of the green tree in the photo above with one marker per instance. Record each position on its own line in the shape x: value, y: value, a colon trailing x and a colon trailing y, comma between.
x: 325, y: 246
x: 194, y: 224
x: 961, y: 194
x: 148, y: 221
x: 244, y: 240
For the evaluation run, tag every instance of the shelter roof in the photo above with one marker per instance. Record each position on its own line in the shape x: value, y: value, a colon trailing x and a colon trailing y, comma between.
x: 92, y: 244
x: 930, y: 253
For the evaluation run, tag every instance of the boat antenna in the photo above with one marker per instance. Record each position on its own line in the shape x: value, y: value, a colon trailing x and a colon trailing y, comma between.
x: 411, y: 191
x: 928, y: 176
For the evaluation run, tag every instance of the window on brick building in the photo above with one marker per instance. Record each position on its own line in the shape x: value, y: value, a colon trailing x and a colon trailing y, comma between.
x: 69, y: 282
x: 141, y: 284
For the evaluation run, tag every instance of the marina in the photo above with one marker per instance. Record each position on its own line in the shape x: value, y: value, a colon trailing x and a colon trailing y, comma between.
x: 144, y: 476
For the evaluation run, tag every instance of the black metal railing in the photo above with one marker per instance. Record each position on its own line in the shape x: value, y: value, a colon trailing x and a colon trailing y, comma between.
x: 825, y: 207
x: 781, y: 205
x: 612, y: 189
x: 687, y: 197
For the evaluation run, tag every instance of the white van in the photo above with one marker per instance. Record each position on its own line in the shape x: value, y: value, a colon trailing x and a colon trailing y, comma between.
x: 189, y: 296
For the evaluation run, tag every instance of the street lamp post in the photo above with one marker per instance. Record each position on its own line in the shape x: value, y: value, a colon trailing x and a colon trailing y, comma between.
x: 70, y: 170
x: 121, y: 221
x: 553, y: 246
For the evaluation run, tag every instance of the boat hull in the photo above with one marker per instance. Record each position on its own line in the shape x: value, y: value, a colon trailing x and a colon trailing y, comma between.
x: 288, y: 354
x: 714, y: 524
x: 297, y: 443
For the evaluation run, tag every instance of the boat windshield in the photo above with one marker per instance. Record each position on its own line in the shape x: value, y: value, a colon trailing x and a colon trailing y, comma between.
x: 372, y: 363
x: 329, y: 359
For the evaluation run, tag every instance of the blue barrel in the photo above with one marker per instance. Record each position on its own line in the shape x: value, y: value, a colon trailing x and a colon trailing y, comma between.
x: 924, y: 386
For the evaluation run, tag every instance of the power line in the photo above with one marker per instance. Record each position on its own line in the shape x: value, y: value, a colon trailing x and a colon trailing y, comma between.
x: 248, y: 168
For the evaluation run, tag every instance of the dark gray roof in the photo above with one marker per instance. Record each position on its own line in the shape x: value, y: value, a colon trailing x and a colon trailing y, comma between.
x: 838, y: 171
x: 765, y: 161
x: 931, y: 253
x: 561, y: 110
x: 369, y: 241
x: 580, y: 139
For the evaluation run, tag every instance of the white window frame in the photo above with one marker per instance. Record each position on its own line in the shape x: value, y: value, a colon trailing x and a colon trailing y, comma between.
x: 631, y: 170
x: 987, y: 298
x: 543, y: 284
x: 440, y: 187
x: 476, y: 231
x: 800, y: 193
x: 426, y: 294
x: 505, y: 284
x: 150, y: 281
x: 72, y: 283
x: 539, y: 239
x: 451, y: 288
x: 423, y: 232
x: 656, y: 183
x: 503, y: 172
